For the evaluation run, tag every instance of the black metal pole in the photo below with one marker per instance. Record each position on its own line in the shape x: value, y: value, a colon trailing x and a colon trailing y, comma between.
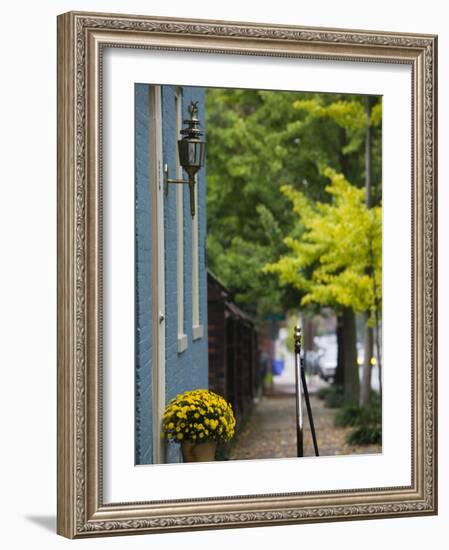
x: 301, y: 386
x: 309, y: 408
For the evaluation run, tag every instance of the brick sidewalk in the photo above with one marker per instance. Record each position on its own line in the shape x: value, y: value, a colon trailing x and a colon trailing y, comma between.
x: 270, y: 432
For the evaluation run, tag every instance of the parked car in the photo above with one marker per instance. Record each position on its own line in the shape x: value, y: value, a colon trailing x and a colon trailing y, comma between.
x: 327, y: 360
x: 327, y: 364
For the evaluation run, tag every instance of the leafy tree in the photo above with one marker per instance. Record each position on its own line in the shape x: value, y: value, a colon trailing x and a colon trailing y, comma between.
x: 240, y: 264
x: 347, y: 116
x: 359, y: 121
x: 258, y: 140
x: 335, y: 254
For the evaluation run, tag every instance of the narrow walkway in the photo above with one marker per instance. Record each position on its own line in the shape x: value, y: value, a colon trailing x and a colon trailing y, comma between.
x: 270, y: 431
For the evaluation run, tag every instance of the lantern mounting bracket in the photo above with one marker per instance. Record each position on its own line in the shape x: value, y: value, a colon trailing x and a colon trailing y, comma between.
x: 190, y: 182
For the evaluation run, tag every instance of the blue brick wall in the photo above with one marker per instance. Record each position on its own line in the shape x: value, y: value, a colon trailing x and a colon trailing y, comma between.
x: 143, y: 295
x: 189, y: 369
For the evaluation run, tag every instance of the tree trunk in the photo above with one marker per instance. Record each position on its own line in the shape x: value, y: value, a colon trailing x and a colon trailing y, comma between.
x: 368, y: 152
x: 365, y: 388
x: 379, y: 353
x: 351, y: 382
x: 340, y: 372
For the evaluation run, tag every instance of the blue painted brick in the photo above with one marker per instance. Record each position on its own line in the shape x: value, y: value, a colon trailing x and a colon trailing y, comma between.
x: 188, y: 370
x: 143, y: 298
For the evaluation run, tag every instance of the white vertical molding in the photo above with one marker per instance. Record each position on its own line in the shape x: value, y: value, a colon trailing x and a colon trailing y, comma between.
x: 182, y: 337
x: 197, y: 329
x: 158, y: 270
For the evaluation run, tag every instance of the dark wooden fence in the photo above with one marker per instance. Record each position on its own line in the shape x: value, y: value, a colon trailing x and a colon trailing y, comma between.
x: 235, y: 371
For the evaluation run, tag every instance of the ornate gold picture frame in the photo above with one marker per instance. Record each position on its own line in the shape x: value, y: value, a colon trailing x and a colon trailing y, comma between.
x: 82, y: 40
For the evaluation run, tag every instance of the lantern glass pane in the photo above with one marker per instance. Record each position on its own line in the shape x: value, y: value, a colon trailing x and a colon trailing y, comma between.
x: 191, y: 153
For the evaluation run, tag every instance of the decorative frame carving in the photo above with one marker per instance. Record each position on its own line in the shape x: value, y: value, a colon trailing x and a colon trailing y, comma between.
x: 81, y: 37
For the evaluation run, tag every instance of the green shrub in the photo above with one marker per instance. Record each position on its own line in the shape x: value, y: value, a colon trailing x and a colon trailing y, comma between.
x: 375, y: 400
x: 348, y: 415
x: 366, y: 435
x: 335, y: 398
x: 323, y: 392
x: 352, y: 414
x: 367, y: 422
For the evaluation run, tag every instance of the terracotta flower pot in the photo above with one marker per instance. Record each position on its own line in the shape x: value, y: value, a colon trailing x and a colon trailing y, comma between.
x: 198, y: 452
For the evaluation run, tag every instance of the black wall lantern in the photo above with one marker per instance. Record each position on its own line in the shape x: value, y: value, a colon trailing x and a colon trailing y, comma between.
x: 192, y: 152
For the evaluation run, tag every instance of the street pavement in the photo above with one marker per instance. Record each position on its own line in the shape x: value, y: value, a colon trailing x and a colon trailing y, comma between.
x: 270, y: 431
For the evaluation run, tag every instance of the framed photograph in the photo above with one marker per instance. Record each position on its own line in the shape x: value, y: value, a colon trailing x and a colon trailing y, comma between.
x: 247, y: 312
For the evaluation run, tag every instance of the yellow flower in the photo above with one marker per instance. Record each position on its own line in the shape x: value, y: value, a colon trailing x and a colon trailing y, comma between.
x: 196, y: 415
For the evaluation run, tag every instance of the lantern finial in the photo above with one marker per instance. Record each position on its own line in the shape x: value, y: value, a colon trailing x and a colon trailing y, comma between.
x: 192, y: 152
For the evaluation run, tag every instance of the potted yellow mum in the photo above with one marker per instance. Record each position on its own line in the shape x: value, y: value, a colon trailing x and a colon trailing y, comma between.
x: 198, y: 419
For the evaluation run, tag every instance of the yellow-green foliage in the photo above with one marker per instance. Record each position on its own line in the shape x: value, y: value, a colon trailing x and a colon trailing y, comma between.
x: 337, y: 260
x: 198, y: 415
x: 347, y: 114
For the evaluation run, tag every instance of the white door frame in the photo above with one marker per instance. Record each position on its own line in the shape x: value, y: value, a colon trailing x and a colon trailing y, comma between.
x: 158, y: 270
x: 182, y: 336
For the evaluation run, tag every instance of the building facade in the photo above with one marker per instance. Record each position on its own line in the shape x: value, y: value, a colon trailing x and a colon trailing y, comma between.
x: 171, y: 350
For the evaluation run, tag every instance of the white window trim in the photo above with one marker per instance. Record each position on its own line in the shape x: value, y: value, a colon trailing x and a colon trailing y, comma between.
x: 158, y: 270
x: 197, y: 332
x: 197, y: 328
x: 182, y: 342
x: 182, y: 336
